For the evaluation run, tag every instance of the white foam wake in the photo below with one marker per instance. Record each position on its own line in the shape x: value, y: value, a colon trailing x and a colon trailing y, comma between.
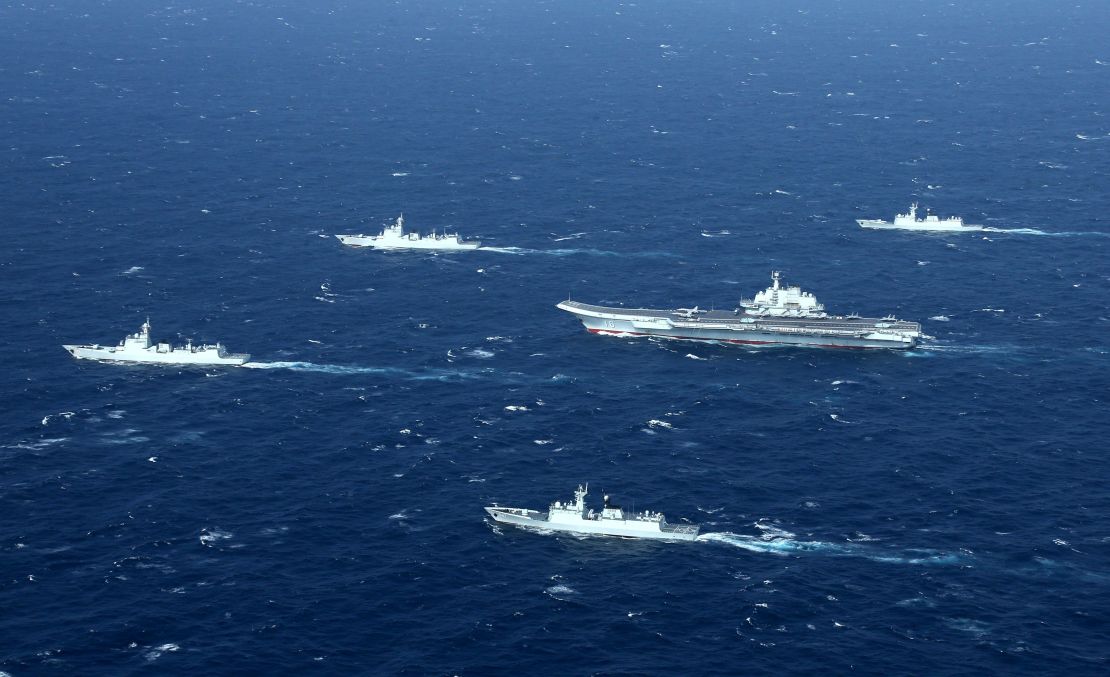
x: 968, y: 349
x: 777, y: 542
x: 522, y: 251
x: 345, y: 370
x: 1048, y: 233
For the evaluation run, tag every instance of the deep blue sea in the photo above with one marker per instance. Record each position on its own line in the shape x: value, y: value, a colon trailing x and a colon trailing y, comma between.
x: 938, y: 511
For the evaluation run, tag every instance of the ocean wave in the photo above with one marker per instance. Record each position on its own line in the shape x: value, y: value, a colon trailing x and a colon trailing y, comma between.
x: 61, y: 414
x: 36, y: 445
x: 210, y: 536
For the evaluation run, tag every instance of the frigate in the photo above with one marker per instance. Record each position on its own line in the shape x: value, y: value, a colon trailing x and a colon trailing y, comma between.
x: 611, y: 521
x: 909, y: 221
x: 393, y: 236
x: 781, y: 314
x: 138, y: 347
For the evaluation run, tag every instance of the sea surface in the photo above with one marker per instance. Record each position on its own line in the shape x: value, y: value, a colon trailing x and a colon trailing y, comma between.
x: 320, y: 511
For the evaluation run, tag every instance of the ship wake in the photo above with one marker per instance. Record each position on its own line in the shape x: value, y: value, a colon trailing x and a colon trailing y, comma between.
x: 778, y: 542
x: 347, y: 370
x: 523, y: 251
x: 1047, y: 233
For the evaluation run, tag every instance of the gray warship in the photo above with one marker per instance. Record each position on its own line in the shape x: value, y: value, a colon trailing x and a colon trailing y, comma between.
x: 931, y: 222
x: 781, y: 314
x: 394, y: 236
x: 139, y: 347
x: 611, y: 521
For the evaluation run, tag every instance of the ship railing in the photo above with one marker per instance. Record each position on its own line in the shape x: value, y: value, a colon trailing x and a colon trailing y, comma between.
x: 680, y: 529
x: 841, y: 330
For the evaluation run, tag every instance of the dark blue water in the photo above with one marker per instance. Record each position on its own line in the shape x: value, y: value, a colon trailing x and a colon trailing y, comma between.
x: 942, y: 511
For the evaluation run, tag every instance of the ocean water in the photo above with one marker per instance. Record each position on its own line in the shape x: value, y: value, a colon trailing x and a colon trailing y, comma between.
x: 939, y: 511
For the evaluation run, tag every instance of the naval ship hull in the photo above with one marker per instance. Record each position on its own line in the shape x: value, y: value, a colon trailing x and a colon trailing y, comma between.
x: 178, y: 356
x: 621, y: 528
x: 374, y: 242
x: 745, y: 329
x: 939, y: 227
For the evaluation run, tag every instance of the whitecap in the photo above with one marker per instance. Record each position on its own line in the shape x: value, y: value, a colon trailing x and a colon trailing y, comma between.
x: 210, y: 536
x: 37, y: 445
x: 560, y: 589
x: 156, y: 652
x: 64, y: 414
x: 939, y: 318
x: 516, y: 407
x: 656, y: 423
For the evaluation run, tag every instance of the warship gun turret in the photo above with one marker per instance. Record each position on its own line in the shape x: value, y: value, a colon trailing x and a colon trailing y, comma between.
x: 138, y: 347
x: 394, y: 236
x: 781, y: 314
x: 909, y: 221
x: 611, y: 521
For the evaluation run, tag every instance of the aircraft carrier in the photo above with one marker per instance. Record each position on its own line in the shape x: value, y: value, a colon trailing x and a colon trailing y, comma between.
x: 779, y: 315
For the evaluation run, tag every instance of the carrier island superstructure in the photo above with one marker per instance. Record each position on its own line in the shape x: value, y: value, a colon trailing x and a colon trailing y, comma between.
x: 611, y: 521
x: 781, y: 314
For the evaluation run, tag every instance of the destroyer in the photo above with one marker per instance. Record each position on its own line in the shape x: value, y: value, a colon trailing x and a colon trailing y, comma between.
x: 394, y: 236
x: 780, y: 314
x: 611, y: 521
x: 910, y: 222
x: 138, y: 347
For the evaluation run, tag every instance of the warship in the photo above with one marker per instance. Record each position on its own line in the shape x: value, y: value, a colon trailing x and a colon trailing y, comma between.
x: 138, y: 347
x: 780, y: 314
x: 394, y: 236
x: 611, y: 521
x: 910, y: 221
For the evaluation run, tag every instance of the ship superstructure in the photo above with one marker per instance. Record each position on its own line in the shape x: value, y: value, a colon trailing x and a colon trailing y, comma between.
x: 909, y: 221
x: 139, y: 347
x: 611, y: 521
x: 781, y: 314
x: 393, y: 236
